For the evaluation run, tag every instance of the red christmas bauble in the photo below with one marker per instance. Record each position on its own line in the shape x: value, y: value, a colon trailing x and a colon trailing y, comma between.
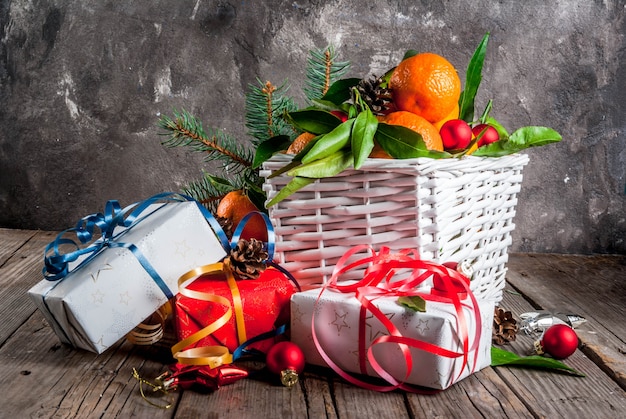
x: 286, y: 359
x: 559, y: 341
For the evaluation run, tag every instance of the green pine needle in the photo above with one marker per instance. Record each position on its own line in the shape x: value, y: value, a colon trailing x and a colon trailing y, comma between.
x: 184, y: 130
x: 265, y: 106
x: 322, y: 71
x: 210, y: 189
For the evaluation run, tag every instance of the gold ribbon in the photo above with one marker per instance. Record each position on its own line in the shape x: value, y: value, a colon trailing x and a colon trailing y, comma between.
x: 214, y: 356
x: 237, y: 304
x: 148, y: 334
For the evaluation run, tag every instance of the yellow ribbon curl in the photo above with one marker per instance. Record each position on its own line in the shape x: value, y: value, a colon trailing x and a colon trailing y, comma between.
x: 213, y: 356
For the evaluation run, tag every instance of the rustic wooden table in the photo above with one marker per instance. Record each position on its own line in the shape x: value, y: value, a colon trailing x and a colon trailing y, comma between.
x: 39, y: 377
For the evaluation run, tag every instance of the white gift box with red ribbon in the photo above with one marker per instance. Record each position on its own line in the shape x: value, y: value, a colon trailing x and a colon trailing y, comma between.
x: 361, y: 328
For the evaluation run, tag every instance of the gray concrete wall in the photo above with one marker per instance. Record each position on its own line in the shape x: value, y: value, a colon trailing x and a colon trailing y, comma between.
x: 82, y: 84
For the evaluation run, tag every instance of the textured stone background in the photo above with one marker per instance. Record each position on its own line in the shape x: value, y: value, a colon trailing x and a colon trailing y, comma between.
x: 82, y: 84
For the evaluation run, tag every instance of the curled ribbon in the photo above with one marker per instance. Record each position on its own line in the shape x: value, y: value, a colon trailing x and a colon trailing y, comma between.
x: 380, y: 280
x: 218, y: 355
x: 148, y: 332
x: 213, y: 356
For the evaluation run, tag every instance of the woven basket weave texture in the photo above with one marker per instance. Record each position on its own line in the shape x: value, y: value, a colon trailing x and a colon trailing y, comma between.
x: 446, y: 209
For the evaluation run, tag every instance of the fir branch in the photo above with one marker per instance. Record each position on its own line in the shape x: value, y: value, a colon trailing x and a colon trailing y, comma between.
x: 204, y: 193
x: 328, y: 62
x: 265, y: 106
x: 210, y: 189
x: 322, y: 71
x: 186, y: 130
x: 269, y: 90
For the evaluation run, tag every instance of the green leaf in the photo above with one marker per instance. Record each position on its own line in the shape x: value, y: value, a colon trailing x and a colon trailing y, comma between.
x: 267, y: 148
x: 404, y: 143
x: 293, y: 164
x: 473, y: 77
x: 502, y: 132
x: 497, y: 149
x: 257, y: 196
x: 327, y: 167
x: 220, y: 184
x: 298, y: 157
x: 521, y: 139
x: 485, y: 113
x: 415, y: 303
x: 363, y: 132
x: 386, y: 77
x: 352, y: 112
x: 409, y: 54
x: 501, y: 357
x: 330, y: 143
x: 339, y: 91
x: 293, y: 186
x: 534, y: 136
x: 326, y: 105
x: 296, y: 160
x: 314, y: 120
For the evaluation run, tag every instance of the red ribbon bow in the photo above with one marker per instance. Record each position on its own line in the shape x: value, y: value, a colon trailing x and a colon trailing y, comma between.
x: 395, y: 275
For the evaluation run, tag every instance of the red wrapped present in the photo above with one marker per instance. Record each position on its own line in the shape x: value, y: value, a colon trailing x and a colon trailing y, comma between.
x: 213, y: 309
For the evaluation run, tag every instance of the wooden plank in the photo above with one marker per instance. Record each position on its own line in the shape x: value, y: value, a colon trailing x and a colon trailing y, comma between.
x: 20, y: 271
x: 319, y: 393
x: 42, y: 378
x: 548, y: 394
x: 480, y: 395
x: 355, y: 402
x: 116, y: 393
x: 483, y: 394
x: 259, y: 396
x: 590, y: 286
x: 11, y: 240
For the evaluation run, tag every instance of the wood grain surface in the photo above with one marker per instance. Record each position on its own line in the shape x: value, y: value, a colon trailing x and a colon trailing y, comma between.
x: 43, y: 378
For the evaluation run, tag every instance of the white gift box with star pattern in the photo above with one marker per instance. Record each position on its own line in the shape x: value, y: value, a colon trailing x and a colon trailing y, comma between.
x: 337, y: 330
x: 102, y: 300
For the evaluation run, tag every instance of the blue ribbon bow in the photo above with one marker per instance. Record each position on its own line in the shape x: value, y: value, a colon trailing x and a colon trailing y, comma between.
x: 56, y: 261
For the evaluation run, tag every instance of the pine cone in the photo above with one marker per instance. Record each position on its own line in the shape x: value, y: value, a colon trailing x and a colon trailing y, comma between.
x: 247, y: 259
x: 227, y: 226
x: 504, y: 327
x: 377, y: 97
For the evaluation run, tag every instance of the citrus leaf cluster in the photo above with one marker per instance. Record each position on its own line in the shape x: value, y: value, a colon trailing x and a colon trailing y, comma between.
x: 521, y: 139
x: 341, y: 145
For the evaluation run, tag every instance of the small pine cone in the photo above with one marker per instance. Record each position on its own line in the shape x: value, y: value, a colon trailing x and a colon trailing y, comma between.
x: 504, y: 327
x: 248, y: 258
x: 377, y: 97
x: 227, y: 226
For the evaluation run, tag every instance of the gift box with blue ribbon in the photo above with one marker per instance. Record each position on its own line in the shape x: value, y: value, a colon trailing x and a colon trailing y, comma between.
x: 114, y: 269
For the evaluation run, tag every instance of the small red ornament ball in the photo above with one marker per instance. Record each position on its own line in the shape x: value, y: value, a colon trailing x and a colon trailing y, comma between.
x: 287, y: 360
x: 456, y: 134
x: 490, y: 134
x: 559, y: 341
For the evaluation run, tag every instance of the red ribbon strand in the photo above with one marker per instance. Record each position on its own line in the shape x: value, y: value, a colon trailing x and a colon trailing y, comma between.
x: 395, y: 275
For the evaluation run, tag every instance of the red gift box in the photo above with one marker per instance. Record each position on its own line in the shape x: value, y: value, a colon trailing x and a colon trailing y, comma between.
x: 264, y: 307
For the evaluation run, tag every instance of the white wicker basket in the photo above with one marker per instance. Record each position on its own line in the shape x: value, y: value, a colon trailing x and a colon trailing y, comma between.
x: 447, y: 209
